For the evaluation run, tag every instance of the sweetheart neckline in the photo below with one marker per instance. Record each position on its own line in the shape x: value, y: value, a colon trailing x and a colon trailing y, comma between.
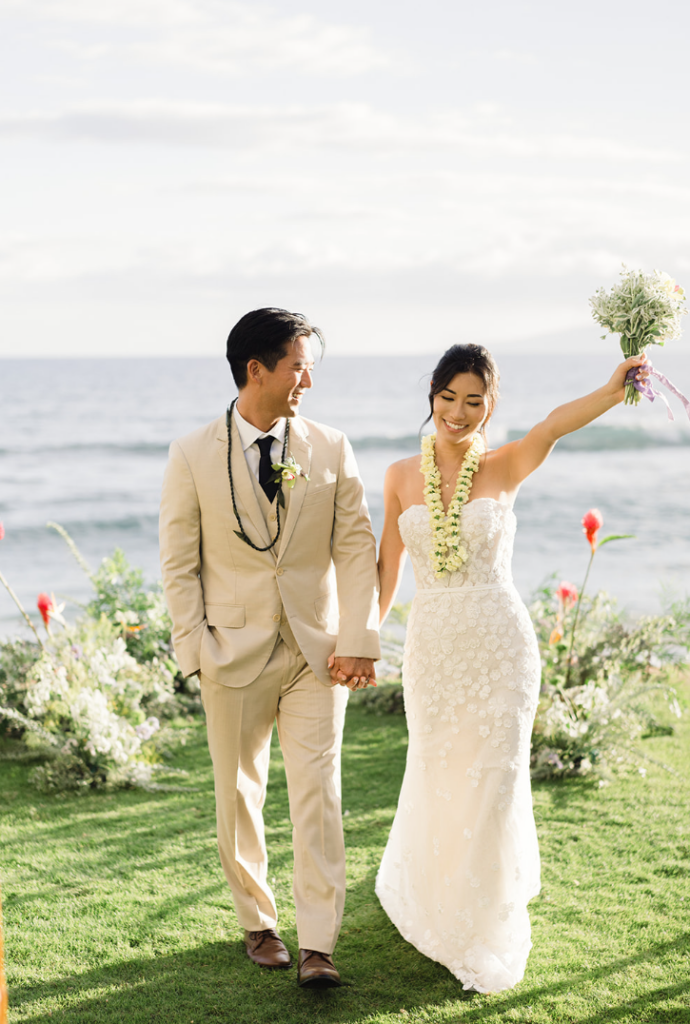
x: 472, y: 502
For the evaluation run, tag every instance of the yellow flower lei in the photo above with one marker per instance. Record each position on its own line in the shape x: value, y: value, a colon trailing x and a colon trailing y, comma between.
x: 447, y: 552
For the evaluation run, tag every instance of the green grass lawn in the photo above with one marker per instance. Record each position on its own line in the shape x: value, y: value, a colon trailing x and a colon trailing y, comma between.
x: 116, y: 908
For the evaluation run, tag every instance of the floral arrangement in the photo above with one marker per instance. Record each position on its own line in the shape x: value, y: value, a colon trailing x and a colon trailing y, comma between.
x: 448, y: 554
x: 95, y: 701
x: 594, y: 682
x: 619, y: 688
x: 98, y: 702
x: 645, y: 309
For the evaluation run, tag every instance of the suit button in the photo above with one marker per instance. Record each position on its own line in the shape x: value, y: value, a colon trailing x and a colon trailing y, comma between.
x: 272, y: 517
x: 276, y: 618
x: 279, y: 572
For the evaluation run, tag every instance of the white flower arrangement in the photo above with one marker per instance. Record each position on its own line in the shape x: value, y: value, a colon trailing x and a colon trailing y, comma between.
x: 89, y: 696
x: 644, y: 309
x: 49, y: 683
x: 448, y: 554
x: 621, y: 678
x: 101, y: 730
x: 87, y: 685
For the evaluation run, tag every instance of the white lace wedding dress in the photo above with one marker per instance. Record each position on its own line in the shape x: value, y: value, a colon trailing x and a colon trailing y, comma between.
x: 462, y: 859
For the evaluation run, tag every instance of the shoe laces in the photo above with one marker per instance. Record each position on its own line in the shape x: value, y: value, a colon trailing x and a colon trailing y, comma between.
x: 261, y: 936
x: 315, y: 952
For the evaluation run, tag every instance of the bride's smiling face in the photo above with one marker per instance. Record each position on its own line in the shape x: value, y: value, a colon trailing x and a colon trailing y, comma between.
x: 460, y: 409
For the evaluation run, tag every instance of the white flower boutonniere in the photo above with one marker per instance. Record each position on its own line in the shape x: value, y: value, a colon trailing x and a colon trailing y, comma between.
x: 286, y: 473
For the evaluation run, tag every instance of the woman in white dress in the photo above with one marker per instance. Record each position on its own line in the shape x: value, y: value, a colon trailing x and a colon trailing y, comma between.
x: 462, y: 860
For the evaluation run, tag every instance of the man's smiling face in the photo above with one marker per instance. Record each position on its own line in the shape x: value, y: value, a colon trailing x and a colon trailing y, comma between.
x: 283, y: 387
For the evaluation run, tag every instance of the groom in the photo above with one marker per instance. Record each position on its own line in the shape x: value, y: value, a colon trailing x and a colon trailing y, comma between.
x: 267, y: 582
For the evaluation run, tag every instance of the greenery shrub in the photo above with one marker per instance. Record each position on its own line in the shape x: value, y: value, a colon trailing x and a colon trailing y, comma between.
x: 124, y: 600
x: 98, y: 701
x: 592, y: 715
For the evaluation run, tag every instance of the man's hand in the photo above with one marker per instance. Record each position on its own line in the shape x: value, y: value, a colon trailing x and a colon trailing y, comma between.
x: 355, y: 673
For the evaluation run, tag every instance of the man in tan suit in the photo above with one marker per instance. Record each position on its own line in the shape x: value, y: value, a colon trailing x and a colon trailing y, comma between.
x: 270, y: 578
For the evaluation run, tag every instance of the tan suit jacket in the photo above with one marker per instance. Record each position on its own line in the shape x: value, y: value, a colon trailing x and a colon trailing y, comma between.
x: 226, y: 599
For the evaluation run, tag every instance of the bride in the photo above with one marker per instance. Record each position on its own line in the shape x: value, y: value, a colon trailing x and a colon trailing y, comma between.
x: 462, y: 860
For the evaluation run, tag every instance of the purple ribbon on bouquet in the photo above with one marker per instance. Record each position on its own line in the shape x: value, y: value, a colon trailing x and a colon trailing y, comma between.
x: 645, y: 388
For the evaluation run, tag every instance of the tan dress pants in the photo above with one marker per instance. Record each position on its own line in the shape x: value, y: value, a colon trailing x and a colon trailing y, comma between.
x: 310, y: 719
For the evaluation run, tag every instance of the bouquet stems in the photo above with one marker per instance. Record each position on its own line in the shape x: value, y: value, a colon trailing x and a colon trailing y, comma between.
x: 631, y: 347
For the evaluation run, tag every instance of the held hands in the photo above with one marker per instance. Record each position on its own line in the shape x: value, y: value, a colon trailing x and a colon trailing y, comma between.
x: 355, y: 673
x: 617, y: 382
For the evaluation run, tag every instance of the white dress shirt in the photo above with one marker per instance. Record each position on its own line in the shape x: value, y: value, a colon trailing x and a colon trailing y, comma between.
x: 249, y: 434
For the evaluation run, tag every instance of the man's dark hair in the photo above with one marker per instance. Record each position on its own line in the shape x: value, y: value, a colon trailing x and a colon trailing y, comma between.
x: 264, y: 334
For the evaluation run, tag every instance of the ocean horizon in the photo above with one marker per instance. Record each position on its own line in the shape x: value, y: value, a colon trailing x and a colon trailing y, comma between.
x: 83, y: 442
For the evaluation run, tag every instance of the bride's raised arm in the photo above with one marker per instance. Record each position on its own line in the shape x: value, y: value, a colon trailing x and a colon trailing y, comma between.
x: 524, y: 456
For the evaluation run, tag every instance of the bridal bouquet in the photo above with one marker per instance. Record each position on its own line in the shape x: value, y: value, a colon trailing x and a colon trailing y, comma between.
x: 645, y: 309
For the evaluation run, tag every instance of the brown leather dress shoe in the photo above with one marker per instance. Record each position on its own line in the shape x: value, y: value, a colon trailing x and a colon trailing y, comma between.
x: 266, y: 948
x: 316, y: 970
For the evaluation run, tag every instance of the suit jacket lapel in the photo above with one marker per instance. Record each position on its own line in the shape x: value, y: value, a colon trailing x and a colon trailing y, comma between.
x: 300, y: 449
x: 253, y: 520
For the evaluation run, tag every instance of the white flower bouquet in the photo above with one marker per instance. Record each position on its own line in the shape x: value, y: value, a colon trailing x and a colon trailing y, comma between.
x: 645, y: 309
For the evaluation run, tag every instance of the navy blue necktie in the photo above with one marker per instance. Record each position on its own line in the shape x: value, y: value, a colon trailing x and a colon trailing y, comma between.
x: 266, y: 470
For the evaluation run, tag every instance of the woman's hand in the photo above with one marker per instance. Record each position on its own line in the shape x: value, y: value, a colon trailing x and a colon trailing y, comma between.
x: 617, y: 383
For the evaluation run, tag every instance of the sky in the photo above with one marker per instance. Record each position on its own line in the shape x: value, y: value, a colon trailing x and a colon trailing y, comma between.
x: 408, y: 174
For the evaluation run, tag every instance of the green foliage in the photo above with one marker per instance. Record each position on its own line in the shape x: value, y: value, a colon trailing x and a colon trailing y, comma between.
x: 386, y: 698
x: 139, y: 613
x: 17, y: 658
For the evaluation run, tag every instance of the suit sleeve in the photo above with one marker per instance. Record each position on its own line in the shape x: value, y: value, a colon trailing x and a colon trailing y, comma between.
x: 180, y: 549
x: 354, y: 556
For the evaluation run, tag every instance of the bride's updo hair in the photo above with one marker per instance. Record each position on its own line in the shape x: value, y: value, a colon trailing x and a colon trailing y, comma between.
x: 466, y: 359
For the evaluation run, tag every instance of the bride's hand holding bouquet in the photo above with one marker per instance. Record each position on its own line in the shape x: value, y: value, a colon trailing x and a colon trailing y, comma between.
x: 621, y: 377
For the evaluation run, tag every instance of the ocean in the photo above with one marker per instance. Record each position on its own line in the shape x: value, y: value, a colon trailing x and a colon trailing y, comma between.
x: 84, y: 443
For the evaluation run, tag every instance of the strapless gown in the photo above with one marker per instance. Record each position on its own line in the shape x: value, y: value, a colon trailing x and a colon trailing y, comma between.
x: 462, y: 859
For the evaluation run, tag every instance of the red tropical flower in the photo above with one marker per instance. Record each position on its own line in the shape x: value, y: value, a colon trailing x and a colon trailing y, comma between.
x: 45, y: 607
x: 592, y: 522
x: 567, y: 594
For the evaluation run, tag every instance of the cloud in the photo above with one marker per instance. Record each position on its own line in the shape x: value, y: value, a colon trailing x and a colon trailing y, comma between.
x: 318, y: 214
x: 337, y: 126
x: 217, y: 37
x: 358, y: 242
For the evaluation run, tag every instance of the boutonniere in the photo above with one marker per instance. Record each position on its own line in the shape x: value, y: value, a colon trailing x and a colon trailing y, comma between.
x: 286, y: 473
